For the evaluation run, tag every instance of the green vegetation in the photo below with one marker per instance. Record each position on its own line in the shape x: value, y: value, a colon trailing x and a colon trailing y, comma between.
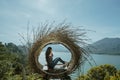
x: 13, y: 64
x: 102, y: 72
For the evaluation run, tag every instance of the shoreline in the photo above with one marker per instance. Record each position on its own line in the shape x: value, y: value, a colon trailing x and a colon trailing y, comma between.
x: 117, y: 54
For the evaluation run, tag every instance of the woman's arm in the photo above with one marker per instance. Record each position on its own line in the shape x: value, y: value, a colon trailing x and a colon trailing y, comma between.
x: 51, y: 55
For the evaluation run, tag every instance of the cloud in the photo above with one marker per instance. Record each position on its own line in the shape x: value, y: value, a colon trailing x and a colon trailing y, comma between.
x: 43, y: 6
x: 14, y: 15
x: 47, y: 7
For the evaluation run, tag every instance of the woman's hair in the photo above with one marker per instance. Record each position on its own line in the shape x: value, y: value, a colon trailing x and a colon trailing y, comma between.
x: 48, y: 53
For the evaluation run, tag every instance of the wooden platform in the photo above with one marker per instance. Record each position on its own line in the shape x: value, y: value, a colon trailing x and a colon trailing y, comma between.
x: 57, y: 67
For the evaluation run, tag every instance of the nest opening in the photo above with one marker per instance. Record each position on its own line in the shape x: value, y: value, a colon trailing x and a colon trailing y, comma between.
x: 59, y: 71
x: 58, y: 50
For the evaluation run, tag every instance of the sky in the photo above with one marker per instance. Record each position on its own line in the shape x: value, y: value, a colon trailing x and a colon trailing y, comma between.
x: 101, y: 17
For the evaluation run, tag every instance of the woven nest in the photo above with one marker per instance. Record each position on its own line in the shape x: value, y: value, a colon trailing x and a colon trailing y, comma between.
x: 63, y: 34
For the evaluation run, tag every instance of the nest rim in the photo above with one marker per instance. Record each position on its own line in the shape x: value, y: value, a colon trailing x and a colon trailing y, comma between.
x: 64, y: 36
x: 66, y: 46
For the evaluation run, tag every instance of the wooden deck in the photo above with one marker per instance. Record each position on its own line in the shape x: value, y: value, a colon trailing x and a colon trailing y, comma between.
x: 57, y: 67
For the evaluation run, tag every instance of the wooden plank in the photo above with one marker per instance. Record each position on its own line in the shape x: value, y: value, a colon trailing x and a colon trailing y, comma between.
x: 58, y: 66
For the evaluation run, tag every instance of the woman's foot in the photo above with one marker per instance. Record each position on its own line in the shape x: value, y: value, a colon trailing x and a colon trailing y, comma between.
x: 66, y: 64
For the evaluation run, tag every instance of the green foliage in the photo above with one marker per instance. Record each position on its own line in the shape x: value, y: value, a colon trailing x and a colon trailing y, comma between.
x: 102, y: 72
x: 13, y: 64
x: 116, y: 76
x: 34, y: 76
x: 9, y: 65
x: 12, y: 48
x: 3, y: 49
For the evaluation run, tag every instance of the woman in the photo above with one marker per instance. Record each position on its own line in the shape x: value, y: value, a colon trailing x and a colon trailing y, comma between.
x: 49, y: 58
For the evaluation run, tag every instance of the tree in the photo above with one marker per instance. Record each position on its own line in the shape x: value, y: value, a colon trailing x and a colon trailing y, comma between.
x: 2, y: 48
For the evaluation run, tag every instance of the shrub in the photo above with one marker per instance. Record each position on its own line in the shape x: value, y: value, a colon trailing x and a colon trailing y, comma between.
x: 102, y: 72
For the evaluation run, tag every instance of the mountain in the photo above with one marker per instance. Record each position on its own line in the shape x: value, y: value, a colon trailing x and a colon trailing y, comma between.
x: 105, y: 46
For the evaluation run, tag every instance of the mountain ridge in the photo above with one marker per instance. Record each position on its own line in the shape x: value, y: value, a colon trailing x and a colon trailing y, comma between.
x: 105, y: 46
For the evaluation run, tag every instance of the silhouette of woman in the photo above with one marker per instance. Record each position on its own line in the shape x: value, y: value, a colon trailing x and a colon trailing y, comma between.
x: 49, y: 59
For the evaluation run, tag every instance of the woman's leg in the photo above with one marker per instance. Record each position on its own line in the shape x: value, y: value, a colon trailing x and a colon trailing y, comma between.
x: 56, y: 60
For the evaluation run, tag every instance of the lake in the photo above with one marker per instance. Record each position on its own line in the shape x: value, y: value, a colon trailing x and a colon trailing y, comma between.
x: 99, y: 59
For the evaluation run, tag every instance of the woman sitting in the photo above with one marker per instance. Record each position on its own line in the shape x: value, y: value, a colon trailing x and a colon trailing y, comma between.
x: 49, y: 59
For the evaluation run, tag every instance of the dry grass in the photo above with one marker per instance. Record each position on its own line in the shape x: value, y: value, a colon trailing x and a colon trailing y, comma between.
x: 65, y: 34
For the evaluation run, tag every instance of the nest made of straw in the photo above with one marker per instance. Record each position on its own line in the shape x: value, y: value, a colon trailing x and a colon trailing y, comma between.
x: 63, y: 34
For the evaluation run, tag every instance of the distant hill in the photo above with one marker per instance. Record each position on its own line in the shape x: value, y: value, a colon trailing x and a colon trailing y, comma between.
x: 57, y: 47
x: 105, y: 46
